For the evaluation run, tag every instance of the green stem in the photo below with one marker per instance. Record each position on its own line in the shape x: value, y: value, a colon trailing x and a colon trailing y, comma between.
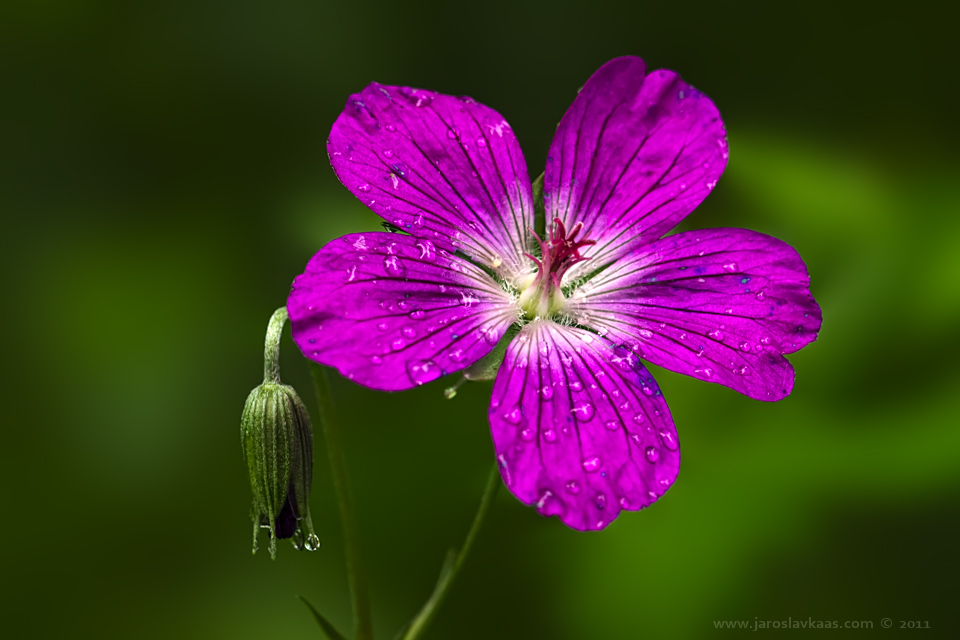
x: 271, y: 346
x: 360, y: 600
x: 453, y: 563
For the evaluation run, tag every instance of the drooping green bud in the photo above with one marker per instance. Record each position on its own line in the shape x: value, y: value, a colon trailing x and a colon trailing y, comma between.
x: 277, y: 442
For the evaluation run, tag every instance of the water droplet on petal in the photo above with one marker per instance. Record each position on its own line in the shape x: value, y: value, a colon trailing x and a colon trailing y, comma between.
x: 652, y: 454
x: 705, y: 372
x: 456, y: 355
x: 638, y: 418
x: 388, y: 153
x: 481, y: 142
x: 601, y: 501
x: 393, y: 267
x: 453, y: 134
x: 765, y: 340
x: 612, y: 425
x: 376, y: 359
x: 573, y: 488
x: 647, y: 391
x: 550, y: 435
x: 730, y: 267
x: 423, y: 371
x: 546, y: 392
x: 576, y: 385
x: 591, y: 464
x: 408, y: 332
x: 669, y: 440
x: 383, y: 326
x: 528, y: 434
x: 716, y: 334
x: 428, y: 252
x: 583, y: 411
x: 744, y: 346
x: 416, y: 314
x: 364, y: 187
x: 398, y: 344
x: 514, y: 416
x: 761, y: 295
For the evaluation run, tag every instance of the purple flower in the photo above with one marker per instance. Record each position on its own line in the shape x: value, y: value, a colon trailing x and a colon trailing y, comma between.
x: 580, y: 428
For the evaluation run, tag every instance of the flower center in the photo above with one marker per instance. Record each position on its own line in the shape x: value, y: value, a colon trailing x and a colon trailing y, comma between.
x: 540, y: 296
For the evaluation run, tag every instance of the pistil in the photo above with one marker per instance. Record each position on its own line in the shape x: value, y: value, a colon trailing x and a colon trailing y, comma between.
x: 541, y: 296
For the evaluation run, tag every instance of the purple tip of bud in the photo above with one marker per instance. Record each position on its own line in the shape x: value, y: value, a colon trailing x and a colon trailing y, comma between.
x: 286, y: 523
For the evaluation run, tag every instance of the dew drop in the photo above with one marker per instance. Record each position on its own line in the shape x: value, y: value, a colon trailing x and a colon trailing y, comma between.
x: 481, y: 142
x: 765, y: 340
x: 591, y: 464
x: 398, y: 344
x: 761, y: 295
x: 453, y: 134
x: 730, y: 267
x: 612, y: 425
x: 647, y: 391
x: 422, y: 371
x: 652, y: 454
x: 364, y: 187
x: 383, y: 326
x: 393, y: 267
x: 408, y: 332
x: 573, y: 488
x: 638, y: 418
x: 584, y: 411
x: 428, y: 252
x: 601, y: 501
x: 416, y: 314
x: 388, y: 153
x: 376, y: 359
x: 528, y: 434
x: 705, y: 372
x: 456, y: 355
x: 550, y: 435
x: 716, y: 334
x: 546, y: 392
x: 576, y: 385
x: 744, y: 346
x: 669, y: 440
x: 514, y: 416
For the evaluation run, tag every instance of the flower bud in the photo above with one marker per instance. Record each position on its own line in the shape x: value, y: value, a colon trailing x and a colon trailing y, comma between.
x: 277, y: 442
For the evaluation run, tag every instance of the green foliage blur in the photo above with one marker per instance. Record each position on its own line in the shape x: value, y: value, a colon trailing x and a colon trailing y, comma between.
x: 163, y: 178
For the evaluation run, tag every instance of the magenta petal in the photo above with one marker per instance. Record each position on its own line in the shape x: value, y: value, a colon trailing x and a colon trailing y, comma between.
x: 722, y: 305
x: 580, y: 427
x: 442, y: 168
x: 633, y: 155
x: 392, y: 311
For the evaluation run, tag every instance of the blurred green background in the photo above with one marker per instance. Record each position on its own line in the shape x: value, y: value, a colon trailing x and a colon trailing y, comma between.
x: 164, y: 178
